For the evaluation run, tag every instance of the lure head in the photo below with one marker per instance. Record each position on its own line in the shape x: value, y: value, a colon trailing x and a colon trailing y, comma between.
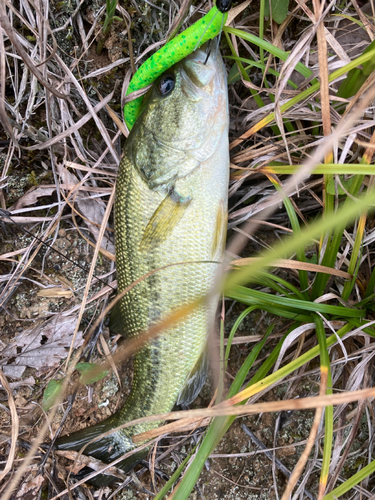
x: 223, y: 5
x: 182, y: 120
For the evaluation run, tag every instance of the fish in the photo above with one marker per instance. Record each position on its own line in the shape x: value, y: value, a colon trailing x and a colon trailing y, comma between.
x: 170, y: 208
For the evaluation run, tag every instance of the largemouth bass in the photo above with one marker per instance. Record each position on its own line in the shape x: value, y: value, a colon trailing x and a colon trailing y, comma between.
x: 171, y: 207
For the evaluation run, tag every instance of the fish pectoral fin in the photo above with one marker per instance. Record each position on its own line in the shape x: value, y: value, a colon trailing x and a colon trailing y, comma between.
x: 164, y: 219
x: 194, y: 381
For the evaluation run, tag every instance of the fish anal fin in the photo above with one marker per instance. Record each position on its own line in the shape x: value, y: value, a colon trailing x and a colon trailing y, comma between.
x: 164, y: 219
x: 194, y: 381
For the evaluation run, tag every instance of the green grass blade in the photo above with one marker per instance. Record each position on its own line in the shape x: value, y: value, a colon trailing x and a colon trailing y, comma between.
x: 330, y: 255
x: 272, y: 309
x: 168, y: 485
x: 357, y: 76
x: 370, y: 330
x: 217, y: 429
x: 322, y: 168
x: 246, y: 77
x: 370, y: 285
x: 263, y: 44
x: 232, y: 78
x: 284, y: 371
x: 220, y: 388
x: 279, y: 285
x: 325, y: 369
x: 234, y: 329
x: 350, y: 483
x: 355, y: 258
x: 251, y: 358
x: 261, y: 28
x: 268, y: 363
x: 304, y: 282
x: 309, y: 91
x: 350, y: 18
x: 343, y: 216
x: 250, y: 296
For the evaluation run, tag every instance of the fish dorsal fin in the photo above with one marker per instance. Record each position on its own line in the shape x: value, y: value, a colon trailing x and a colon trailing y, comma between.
x: 164, y: 219
x: 194, y: 381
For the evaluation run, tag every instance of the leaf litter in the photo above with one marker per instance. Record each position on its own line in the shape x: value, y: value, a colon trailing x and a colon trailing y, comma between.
x: 41, y: 347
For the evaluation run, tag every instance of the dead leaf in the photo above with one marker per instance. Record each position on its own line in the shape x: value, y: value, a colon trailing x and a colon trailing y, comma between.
x: 295, y: 264
x: 41, y: 347
x: 15, y: 426
x: 29, y: 381
x: 13, y: 371
x: 91, y: 208
x: 30, y: 488
x: 55, y: 291
x: 233, y: 13
x: 64, y: 281
x: 81, y: 461
x: 32, y: 196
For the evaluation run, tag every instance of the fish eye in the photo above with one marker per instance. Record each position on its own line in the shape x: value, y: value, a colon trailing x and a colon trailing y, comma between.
x: 223, y: 5
x: 165, y: 85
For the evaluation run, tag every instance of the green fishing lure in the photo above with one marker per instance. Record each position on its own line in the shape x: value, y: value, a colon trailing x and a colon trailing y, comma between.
x: 174, y: 51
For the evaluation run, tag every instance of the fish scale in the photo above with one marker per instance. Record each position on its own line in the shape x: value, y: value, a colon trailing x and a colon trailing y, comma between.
x: 168, y: 210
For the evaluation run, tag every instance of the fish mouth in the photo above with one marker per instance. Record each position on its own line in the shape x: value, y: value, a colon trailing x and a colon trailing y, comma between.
x: 199, y: 72
x: 199, y: 75
x: 209, y: 51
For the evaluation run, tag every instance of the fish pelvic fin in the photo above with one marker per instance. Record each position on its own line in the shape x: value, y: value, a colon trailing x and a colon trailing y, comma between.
x: 116, y: 323
x: 194, y: 381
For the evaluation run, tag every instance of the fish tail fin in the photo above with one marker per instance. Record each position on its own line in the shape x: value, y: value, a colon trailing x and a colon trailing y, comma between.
x: 106, y: 449
x: 76, y: 440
